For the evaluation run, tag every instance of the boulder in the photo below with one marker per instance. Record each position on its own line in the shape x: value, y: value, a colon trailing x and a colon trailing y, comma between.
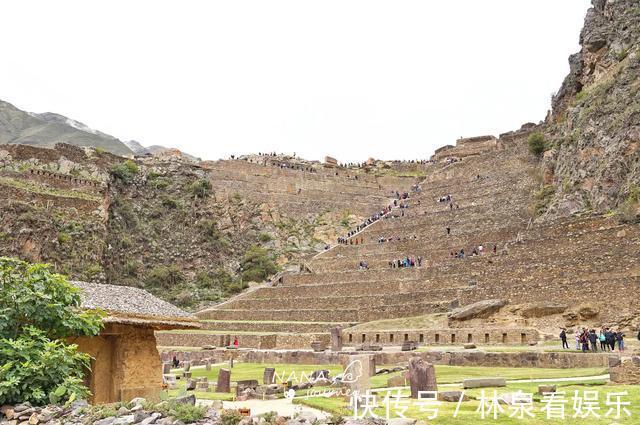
x: 469, y: 346
x: 481, y: 309
x: 484, y: 382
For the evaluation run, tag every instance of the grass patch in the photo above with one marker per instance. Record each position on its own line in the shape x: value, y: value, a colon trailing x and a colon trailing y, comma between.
x: 468, y: 413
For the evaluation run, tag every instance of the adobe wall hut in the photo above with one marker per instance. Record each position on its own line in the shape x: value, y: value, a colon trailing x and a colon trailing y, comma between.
x: 126, y: 363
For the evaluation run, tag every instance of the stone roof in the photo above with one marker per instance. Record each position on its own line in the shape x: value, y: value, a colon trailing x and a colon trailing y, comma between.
x: 128, y: 305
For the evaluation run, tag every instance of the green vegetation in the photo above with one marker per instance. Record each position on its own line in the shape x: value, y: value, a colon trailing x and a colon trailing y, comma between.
x: 38, y: 309
x: 160, y: 183
x: 217, y: 239
x: 170, y: 203
x: 537, y: 144
x: 165, y: 277
x: 200, y: 188
x: 230, y: 417
x: 629, y: 210
x: 125, y: 171
x: 184, y: 412
x: 257, y: 264
x: 264, y: 237
x: 542, y: 199
x: 30, y: 186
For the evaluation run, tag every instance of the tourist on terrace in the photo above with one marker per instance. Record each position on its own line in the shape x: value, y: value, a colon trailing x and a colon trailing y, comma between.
x: 577, y: 337
x: 175, y: 362
x: 593, y: 340
x: 563, y: 338
x: 603, y: 341
x: 620, y: 339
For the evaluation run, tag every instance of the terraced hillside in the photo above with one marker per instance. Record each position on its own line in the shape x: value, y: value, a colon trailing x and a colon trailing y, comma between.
x: 189, y: 232
x: 564, y: 271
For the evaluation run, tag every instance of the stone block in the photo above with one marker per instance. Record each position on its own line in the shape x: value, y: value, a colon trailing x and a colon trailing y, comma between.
x: 336, y: 338
x: 356, y: 372
x: 268, y: 377
x: 224, y: 381
x: 543, y: 389
x: 452, y: 396
x: 469, y: 346
x: 484, y: 382
x: 422, y: 376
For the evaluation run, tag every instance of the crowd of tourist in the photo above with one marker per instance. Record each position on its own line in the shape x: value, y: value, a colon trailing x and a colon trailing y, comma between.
x: 476, y: 251
x: 588, y: 340
x: 383, y: 239
x: 406, y: 262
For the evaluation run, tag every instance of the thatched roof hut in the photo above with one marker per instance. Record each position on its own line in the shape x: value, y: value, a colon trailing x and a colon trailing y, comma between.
x: 125, y: 361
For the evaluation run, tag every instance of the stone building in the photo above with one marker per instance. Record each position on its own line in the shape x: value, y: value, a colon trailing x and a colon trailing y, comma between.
x: 125, y: 361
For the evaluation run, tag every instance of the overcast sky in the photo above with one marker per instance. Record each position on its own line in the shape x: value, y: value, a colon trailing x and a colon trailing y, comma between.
x: 350, y: 79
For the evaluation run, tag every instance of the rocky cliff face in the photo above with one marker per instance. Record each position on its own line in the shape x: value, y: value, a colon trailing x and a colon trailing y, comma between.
x: 593, y: 132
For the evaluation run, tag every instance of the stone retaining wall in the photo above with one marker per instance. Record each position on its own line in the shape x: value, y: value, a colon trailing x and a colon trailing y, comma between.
x: 457, y: 358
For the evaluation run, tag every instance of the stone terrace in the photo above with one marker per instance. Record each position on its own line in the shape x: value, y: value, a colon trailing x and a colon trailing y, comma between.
x: 571, y: 261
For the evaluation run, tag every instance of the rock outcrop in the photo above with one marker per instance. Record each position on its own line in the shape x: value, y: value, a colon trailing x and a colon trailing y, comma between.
x: 593, y: 156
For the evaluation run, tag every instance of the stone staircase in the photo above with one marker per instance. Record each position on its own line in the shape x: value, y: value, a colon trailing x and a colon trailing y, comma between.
x: 570, y: 261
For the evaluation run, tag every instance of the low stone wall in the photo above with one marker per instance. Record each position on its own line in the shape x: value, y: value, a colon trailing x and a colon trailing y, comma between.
x: 449, y: 358
x: 257, y: 341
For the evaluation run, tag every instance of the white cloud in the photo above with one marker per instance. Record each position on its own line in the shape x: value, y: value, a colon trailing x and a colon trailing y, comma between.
x: 351, y: 79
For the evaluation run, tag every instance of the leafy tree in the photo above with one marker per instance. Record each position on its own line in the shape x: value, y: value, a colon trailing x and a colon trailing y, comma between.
x: 537, y: 144
x: 38, y: 308
x: 257, y: 264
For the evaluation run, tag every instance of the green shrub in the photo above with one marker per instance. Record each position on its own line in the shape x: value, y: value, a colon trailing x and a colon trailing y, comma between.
x: 537, y: 144
x: 200, y: 188
x: 629, y: 210
x: 39, y: 308
x: 186, y: 413
x: 63, y: 238
x: 217, y: 239
x: 542, y: 199
x: 170, y: 203
x: 264, y: 237
x: 160, y: 183
x: 92, y: 271
x: 125, y: 171
x: 230, y: 417
x: 165, y: 277
x: 257, y: 264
